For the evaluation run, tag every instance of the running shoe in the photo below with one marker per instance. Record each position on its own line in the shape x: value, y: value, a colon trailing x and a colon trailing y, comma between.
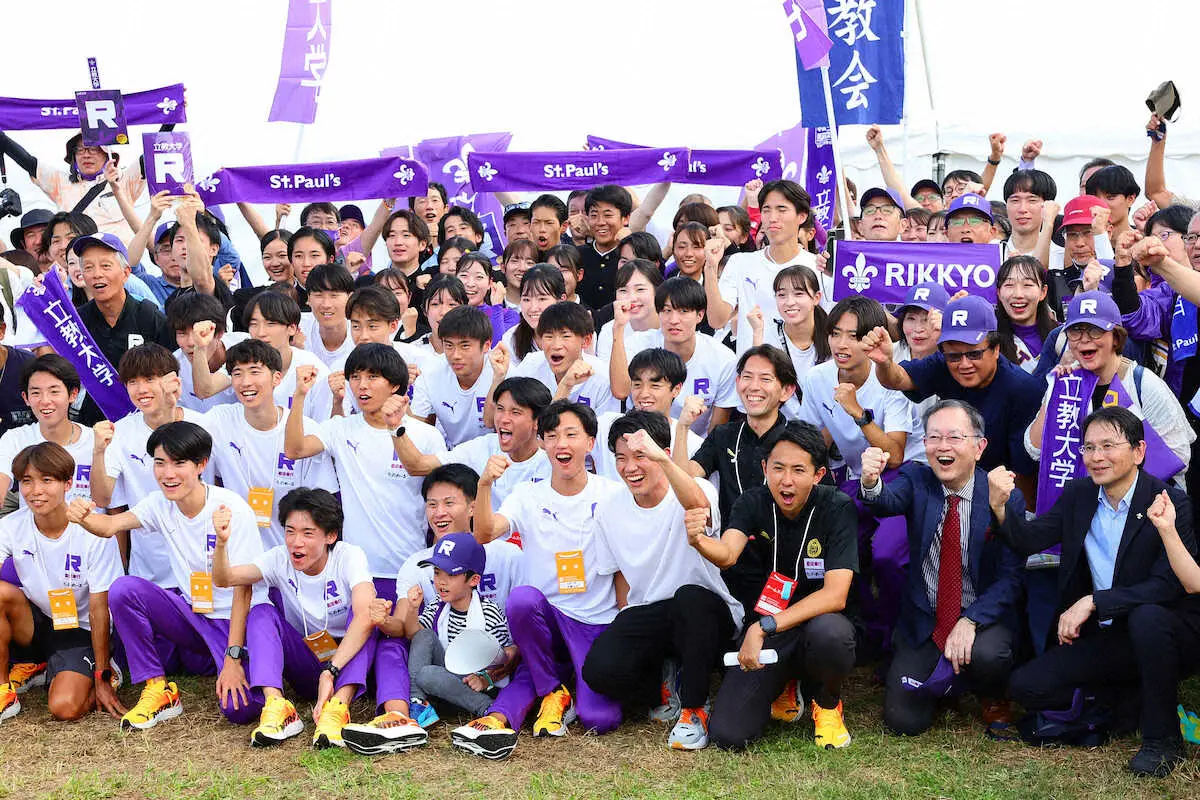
x: 277, y: 723
x: 667, y: 712
x: 556, y: 713
x: 159, y: 702
x: 789, y: 706
x: 691, y: 732
x: 422, y: 712
x: 23, y: 677
x: 10, y: 704
x: 334, y: 716
x: 390, y: 732
x: 830, y: 727
x: 487, y: 737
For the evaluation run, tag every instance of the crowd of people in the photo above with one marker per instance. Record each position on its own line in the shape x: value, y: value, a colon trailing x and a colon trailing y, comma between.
x: 574, y: 474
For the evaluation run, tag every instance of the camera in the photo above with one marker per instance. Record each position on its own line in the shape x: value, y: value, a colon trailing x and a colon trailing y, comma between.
x: 10, y: 203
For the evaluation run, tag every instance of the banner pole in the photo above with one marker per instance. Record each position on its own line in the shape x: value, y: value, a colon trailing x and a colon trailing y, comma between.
x: 837, y: 153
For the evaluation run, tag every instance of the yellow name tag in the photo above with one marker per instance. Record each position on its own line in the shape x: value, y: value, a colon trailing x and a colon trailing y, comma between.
x: 202, y: 593
x: 260, y: 501
x: 323, y: 645
x: 62, y: 609
x: 571, y: 577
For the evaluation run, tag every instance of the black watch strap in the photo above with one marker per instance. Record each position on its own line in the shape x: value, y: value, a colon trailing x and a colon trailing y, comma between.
x: 332, y: 670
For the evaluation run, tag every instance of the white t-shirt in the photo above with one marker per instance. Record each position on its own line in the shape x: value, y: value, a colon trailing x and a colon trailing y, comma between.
x: 17, y: 439
x: 605, y: 461
x: 246, y: 457
x: 313, y: 344
x: 475, y: 453
x: 803, y: 359
x: 649, y: 546
x: 551, y: 523
x: 635, y: 341
x: 190, y: 542
x: 187, y: 394
x: 77, y: 560
x: 133, y: 472
x: 313, y: 603
x: 894, y: 413
x: 508, y: 339
x: 385, y: 513
x: 413, y: 355
x: 459, y: 411
x: 749, y: 281
x: 711, y: 374
x: 502, y: 572
x: 595, y: 392
x: 318, y: 403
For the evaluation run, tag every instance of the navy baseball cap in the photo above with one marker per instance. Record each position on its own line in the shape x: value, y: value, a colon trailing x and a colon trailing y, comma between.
x: 968, y: 320
x: 1093, y: 308
x: 107, y: 240
x: 928, y: 296
x: 926, y: 184
x: 878, y: 191
x: 970, y: 202
x: 456, y: 553
x: 351, y: 211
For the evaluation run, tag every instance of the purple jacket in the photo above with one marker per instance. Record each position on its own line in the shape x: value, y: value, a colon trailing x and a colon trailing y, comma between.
x: 1152, y: 320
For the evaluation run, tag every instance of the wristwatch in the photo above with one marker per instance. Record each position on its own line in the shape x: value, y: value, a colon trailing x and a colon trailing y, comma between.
x: 767, y: 624
x: 333, y: 671
x: 236, y: 652
x: 399, y: 433
x: 866, y: 419
x: 104, y: 675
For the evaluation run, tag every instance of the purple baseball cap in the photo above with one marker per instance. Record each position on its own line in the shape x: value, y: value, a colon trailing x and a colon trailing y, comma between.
x: 939, y: 684
x: 1094, y: 308
x: 106, y: 240
x: 968, y: 320
x: 878, y: 191
x: 970, y: 202
x: 928, y: 296
x: 456, y: 553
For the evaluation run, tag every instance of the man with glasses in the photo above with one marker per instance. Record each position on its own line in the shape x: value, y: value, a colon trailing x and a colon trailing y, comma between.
x: 882, y: 215
x: 957, y: 620
x: 925, y: 193
x: 969, y: 220
x: 1114, y: 633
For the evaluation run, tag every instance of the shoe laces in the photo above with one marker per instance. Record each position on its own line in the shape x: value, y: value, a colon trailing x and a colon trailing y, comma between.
x: 556, y: 702
x: 154, y: 697
x: 694, y: 716
x: 276, y: 712
x: 335, y: 714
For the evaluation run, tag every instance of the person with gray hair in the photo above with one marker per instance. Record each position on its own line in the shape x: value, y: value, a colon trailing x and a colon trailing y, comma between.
x: 957, y: 615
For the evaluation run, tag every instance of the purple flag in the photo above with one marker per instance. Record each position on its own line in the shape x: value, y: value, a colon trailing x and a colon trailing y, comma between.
x: 600, y: 143
x: 886, y: 271
x: 820, y: 175
x: 50, y: 310
x: 151, y: 107
x: 790, y: 144
x: 713, y: 167
x: 168, y: 157
x: 446, y: 158
x: 365, y: 179
x: 1062, y: 437
x: 302, y: 65
x: 812, y: 41
x: 102, y: 117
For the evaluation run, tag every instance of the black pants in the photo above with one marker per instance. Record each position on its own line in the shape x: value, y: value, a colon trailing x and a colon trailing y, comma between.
x: 1156, y: 649
x: 821, y: 650
x: 625, y: 662
x: 911, y: 713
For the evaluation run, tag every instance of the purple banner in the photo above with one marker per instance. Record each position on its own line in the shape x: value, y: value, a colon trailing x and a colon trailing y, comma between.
x: 886, y: 270
x: 446, y: 158
x: 151, y: 107
x: 366, y: 179
x: 302, y: 65
x: 49, y: 308
x: 713, y: 167
x: 572, y: 169
x: 820, y: 175
x: 102, y: 117
x: 812, y: 42
x: 1062, y: 438
x: 600, y: 143
x: 790, y: 144
x: 168, y: 157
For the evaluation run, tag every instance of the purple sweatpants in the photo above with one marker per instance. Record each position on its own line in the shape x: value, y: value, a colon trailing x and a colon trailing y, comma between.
x: 161, y: 634
x: 553, y: 647
x: 391, y: 670
x: 883, y: 545
x: 277, y: 651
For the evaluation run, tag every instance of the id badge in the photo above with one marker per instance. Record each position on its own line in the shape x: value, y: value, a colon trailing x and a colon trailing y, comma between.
x: 63, y: 610
x: 261, y: 500
x: 776, y: 595
x: 571, y: 577
x: 814, y: 569
x: 323, y: 645
x: 202, y: 593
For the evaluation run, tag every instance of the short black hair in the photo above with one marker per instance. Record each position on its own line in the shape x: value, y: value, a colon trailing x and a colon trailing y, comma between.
x: 181, y: 441
x: 378, y: 359
x: 651, y: 422
x: 329, y: 278
x: 682, y: 292
x: 437, y: 187
x: 544, y: 277
x: 1113, y: 180
x: 869, y: 313
x: 566, y: 316
x: 205, y: 224
x: 328, y: 208
x: 1033, y: 181
x: 661, y: 363
x: 785, y: 371
x: 416, y: 226
x: 553, y: 203
x: 969, y: 176
x: 526, y: 392
x: 644, y: 246
x: 459, y: 475
x: 150, y: 360
x: 804, y: 435
x: 376, y: 301
x: 1125, y: 421
x: 551, y: 418
x: 1176, y: 217
x: 1094, y: 163
x: 466, y: 322
x: 566, y: 255
x: 253, y: 351
x: 613, y: 195
x: 55, y: 365
x: 320, y: 504
x: 188, y: 308
x: 450, y: 284
x: 274, y: 306
x: 466, y: 215
x: 793, y: 192
x: 317, y: 235
x: 638, y: 266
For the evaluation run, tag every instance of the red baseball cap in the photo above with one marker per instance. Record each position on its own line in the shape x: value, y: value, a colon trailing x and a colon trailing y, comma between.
x: 1078, y: 210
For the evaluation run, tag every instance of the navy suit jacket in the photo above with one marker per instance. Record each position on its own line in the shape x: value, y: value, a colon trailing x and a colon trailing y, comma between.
x: 995, y: 569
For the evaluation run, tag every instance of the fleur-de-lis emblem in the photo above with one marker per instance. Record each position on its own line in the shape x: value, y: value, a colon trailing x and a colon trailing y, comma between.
x: 168, y: 105
x: 457, y: 167
x: 208, y: 184
x: 761, y: 167
x: 404, y: 174
x: 860, y: 274
x: 487, y: 171
x: 667, y: 162
x: 824, y: 175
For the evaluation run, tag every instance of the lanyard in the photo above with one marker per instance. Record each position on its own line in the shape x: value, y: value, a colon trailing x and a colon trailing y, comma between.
x: 775, y: 542
x: 300, y: 601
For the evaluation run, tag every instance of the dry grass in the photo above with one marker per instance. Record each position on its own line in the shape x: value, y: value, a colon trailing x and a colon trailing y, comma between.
x: 200, y: 755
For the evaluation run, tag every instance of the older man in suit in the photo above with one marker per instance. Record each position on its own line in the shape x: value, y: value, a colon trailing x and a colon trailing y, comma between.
x: 1113, y: 583
x: 962, y: 581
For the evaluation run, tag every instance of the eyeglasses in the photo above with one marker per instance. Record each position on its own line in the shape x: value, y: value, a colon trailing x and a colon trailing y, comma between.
x: 952, y: 439
x: 1190, y: 238
x: 1076, y: 332
x: 973, y: 355
x: 927, y: 197
x: 1167, y: 234
x: 875, y: 211
x: 962, y: 220
x: 1104, y: 447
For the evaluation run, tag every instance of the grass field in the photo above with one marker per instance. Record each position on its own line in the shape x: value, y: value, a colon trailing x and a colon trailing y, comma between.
x: 201, y: 756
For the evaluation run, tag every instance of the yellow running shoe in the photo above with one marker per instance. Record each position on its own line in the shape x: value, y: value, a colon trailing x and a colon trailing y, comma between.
x: 789, y: 706
x: 556, y: 713
x: 830, y: 727
x: 334, y: 716
x: 10, y: 704
x: 23, y: 677
x: 159, y: 702
x: 391, y: 732
x: 487, y: 737
x: 277, y: 723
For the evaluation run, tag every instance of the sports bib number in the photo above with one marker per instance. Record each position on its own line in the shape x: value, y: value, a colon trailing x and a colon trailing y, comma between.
x: 323, y: 645
x: 261, y: 499
x: 202, y: 593
x: 63, y: 611
x: 571, y: 577
x: 776, y: 595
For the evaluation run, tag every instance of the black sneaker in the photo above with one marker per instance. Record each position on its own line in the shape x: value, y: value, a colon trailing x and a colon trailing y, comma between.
x: 1157, y: 758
